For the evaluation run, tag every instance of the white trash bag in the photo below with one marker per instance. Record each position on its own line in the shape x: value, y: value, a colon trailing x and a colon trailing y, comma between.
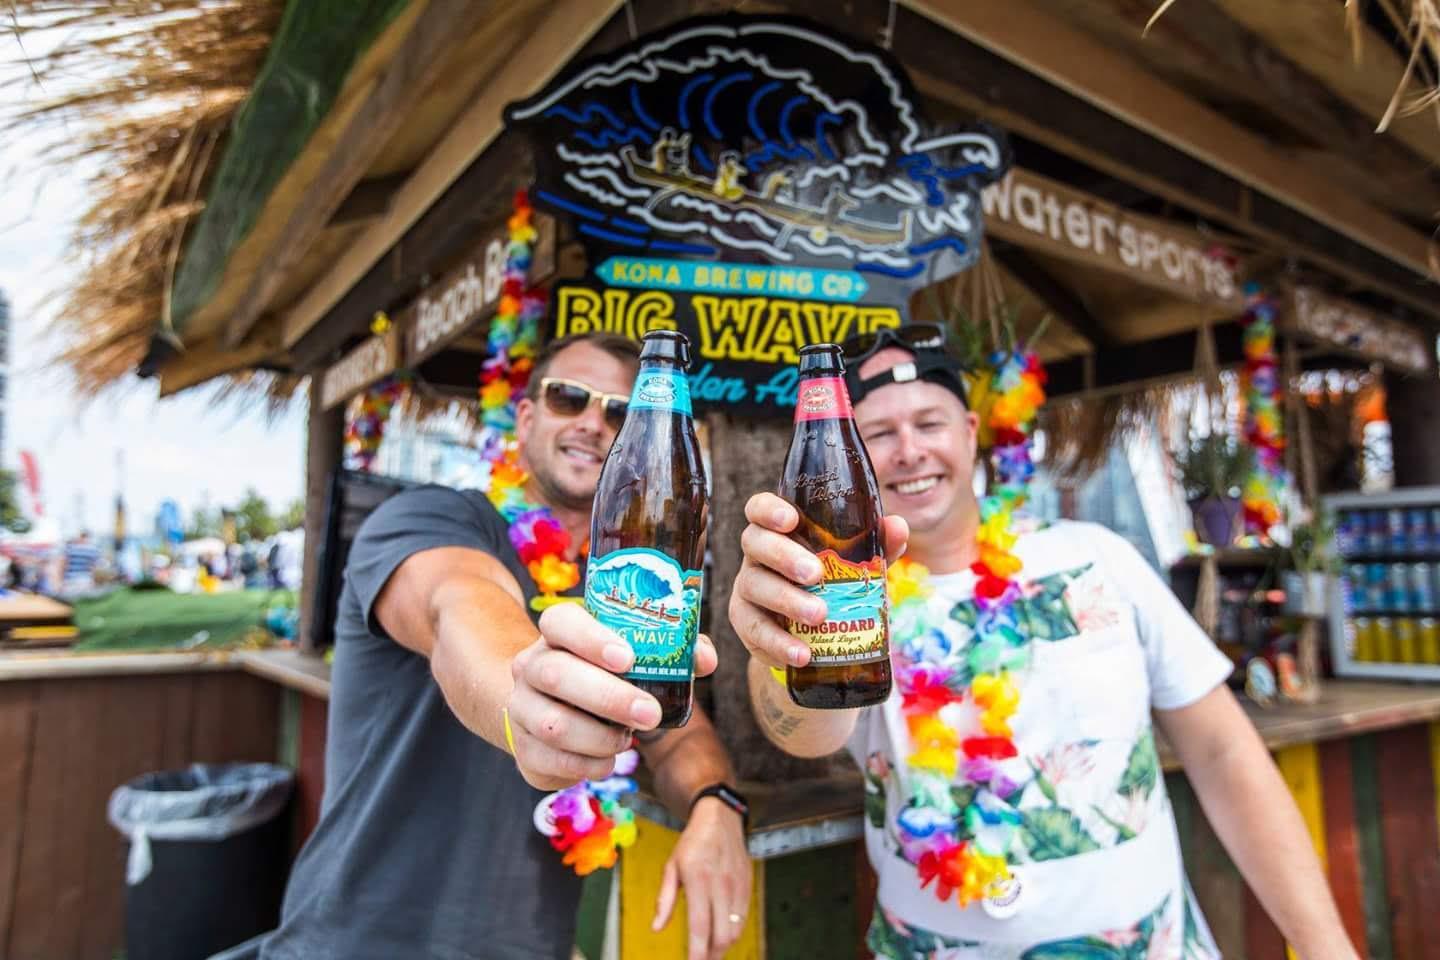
x: 205, y: 801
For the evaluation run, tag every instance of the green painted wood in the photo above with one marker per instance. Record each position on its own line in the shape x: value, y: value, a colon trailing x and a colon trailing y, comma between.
x: 810, y: 904
x: 1364, y: 763
x: 1218, y: 887
x: 590, y: 923
x: 317, y: 43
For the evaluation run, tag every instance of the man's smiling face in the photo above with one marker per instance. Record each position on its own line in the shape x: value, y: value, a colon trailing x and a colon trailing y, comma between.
x: 564, y: 454
x: 922, y: 442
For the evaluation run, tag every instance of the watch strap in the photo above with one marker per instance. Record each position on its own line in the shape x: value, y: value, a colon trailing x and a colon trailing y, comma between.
x: 727, y: 795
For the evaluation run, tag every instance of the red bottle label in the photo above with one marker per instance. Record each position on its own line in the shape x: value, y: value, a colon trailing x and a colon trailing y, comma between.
x: 824, y: 398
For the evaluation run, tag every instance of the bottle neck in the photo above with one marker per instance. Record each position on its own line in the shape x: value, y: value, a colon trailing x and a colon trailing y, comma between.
x: 661, y: 385
x: 821, y: 395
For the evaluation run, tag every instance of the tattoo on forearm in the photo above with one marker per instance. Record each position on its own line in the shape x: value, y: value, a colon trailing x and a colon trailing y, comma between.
x: 782, y: 726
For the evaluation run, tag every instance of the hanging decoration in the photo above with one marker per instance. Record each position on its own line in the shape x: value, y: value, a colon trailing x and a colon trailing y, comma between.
x: 368, y: 415
x: 586, y: 822
x: 961, y: 847
x: 1264, y: 427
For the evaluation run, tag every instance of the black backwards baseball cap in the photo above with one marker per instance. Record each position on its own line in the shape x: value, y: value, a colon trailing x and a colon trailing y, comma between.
x: 924, y: 341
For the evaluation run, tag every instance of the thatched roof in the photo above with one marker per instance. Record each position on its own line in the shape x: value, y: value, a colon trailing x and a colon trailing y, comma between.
x: 160, y: 82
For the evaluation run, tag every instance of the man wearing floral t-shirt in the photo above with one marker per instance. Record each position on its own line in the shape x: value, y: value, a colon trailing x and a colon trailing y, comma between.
x: 1089, y: 839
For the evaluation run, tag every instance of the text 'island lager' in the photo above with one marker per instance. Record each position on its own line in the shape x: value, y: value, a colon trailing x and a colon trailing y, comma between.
x: 647, y: 531
x: 829, y: 479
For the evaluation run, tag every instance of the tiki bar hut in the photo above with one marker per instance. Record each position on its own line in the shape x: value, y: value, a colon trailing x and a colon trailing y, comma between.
x: 305, y: 200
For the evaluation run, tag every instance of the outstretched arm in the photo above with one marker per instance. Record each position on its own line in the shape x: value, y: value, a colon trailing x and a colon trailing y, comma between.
x: 1254, y: 816
x: 569, y: 712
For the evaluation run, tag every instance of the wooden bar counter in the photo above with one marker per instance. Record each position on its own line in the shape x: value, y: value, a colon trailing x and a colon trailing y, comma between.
x: 1363, y: 764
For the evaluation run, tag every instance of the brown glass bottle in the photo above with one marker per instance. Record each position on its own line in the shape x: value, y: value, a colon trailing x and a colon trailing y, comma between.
x: 647, y: 530
x: 829, y: 479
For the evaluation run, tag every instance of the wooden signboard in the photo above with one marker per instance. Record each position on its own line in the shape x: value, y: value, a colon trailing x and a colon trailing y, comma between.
x: 377, y: 357
x: 1050, y: 217
x: 470, y: 292
x: 1360, y: 331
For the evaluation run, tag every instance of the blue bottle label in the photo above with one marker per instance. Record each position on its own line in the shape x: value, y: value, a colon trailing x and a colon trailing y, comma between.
x: 653, y: 604
x: 662, y: 389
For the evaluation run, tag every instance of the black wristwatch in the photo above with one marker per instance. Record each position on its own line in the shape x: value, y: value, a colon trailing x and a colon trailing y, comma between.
x: 727, y: 795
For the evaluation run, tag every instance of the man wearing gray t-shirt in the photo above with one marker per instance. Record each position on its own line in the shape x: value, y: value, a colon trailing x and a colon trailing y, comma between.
x: 425, y: 846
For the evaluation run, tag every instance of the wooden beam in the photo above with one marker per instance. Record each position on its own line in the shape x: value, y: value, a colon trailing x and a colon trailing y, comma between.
x: 211, y: 358
x: 349, y: 148
x: 1055, y: 296
x: 1316, y: 37
x: 1032, y: 109
x: 565, y: 29
x: 1020, y: 31
x: 368, y: 200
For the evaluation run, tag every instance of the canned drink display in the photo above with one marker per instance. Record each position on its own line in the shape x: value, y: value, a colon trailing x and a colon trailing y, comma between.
x: 1429, y: 642
x: 1422, y: 588
x: 1435, y: 529
x: 1397, y: 587
x: 1363, y: 639
x: 1385, y: 649
x: 1375, y: 532
x: 1396, y: 536
x: 1407, y: 640
x: 1349, y: 532
x: 1358, y: 588
x: 1377, y: 586
x: 1417, y: 528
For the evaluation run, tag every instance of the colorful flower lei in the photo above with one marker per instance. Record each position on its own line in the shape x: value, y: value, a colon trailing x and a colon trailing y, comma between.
x: 962, y: 849
x: 585, y: 822
x: 365, y: 420
x: 541, y: 541
x: 1264, y: 426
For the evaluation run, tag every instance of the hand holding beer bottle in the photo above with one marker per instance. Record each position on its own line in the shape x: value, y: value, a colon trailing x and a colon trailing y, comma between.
x: 831, y: 637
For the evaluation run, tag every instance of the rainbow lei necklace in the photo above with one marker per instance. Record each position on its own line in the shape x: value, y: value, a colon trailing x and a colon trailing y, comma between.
x: 958, y: 837
x: 1264, y: 424
x: 585, y: 822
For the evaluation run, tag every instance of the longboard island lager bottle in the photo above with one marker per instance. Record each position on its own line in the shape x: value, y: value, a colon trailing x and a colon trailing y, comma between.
x: 647, y: 531
x: 829, y: 479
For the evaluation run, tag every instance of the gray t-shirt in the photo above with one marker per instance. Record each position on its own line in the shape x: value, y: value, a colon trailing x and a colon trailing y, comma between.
x: 425, y: 846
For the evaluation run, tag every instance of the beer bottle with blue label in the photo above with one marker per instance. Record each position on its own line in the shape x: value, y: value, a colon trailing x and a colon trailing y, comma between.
x: 829, y: 479
x: 647, y: 530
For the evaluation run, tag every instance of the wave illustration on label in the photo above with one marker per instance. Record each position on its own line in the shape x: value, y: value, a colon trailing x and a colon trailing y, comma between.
x: 653, y: 604
x: 661, y: 390
x: 855, y: 629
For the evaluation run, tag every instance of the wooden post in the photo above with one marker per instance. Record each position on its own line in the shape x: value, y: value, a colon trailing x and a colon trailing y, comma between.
x: 1413, y: 405
x: 323, y: 441
x: 745, y: 459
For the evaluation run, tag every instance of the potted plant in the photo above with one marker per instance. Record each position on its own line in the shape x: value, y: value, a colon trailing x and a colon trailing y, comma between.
x: 1314, y: 563
x: 1212, y: 469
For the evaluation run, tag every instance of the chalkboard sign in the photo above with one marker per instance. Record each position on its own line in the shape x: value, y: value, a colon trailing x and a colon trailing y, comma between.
x: 353, y: 496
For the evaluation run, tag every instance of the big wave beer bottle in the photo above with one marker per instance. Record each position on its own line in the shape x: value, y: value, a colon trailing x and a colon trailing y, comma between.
x: 647, y: 530
x: 829, y: 479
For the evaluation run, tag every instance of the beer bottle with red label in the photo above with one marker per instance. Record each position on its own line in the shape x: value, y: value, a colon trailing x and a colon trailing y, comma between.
x: 647, y: 530
x: 829, y: 479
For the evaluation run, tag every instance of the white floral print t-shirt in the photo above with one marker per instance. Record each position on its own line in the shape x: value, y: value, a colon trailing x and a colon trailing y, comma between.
x: 1097, y: 856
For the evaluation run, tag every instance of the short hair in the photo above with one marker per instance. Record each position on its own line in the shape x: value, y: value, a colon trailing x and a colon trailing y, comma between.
x: 624, y: 349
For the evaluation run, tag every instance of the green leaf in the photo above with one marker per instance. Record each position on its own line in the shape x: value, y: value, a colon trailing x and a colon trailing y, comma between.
x: 966, y: 612
x: 1053, y: 833
x: 1125, y: 832
x: 1046, y: 787
x: 1087, y: 948
x: 875, y: 808
x: 1143, y: 770
x: 963, y: 795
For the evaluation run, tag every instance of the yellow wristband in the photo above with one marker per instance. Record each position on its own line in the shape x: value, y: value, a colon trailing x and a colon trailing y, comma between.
x: 509, y: 733
x: 778, y: 674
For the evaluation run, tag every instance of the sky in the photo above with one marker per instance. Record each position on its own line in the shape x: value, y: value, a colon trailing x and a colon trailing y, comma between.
x: 183, y: 447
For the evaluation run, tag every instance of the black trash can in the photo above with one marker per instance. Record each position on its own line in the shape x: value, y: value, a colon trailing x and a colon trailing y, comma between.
x: 209, y: 850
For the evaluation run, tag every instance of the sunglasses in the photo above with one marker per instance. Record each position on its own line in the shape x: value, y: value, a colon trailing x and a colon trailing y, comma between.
x: 915, y: 337
x: 570, y: 398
